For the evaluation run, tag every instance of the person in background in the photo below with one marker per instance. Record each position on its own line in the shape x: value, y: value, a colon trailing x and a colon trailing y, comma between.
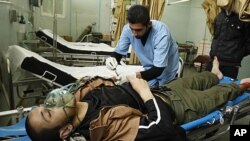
x: 152, y: 43
x: 100, y: 110
x: 231, y: 41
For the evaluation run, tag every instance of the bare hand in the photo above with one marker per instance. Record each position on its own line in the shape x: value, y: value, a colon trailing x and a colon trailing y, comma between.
x: 141, y: 87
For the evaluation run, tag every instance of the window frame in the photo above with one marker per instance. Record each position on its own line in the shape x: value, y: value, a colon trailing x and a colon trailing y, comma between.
x: 63, y: 15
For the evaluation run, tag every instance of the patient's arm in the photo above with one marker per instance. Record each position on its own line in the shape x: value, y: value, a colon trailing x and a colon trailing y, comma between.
x: 141, y: 87
x: 157, y: 124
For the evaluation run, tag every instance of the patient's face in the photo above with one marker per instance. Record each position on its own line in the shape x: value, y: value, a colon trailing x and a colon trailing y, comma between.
x: 44, y: 118
x: 56, y: 111
x: 48, y: 118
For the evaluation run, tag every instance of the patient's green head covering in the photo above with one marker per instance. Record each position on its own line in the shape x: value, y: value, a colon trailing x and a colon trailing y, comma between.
x: 61, y: 96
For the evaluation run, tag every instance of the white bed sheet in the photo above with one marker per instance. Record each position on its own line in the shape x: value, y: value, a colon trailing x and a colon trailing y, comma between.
x: 17, y: 54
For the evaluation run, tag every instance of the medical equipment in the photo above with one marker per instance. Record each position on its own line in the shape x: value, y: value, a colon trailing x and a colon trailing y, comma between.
x: 61, y: 96
x: 122, y: 64
x: 116, y: 72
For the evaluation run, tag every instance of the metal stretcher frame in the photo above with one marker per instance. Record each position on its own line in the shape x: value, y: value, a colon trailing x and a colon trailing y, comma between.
x: 16, y: 131
x: 86, y: 52
x: 226, y: 116
x: 77, y: 59
x: 237, y: 108
x: 83, y: 57
x: 12, y: 86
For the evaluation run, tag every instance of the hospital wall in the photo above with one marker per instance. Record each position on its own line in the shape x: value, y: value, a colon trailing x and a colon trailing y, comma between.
x: 79, y: 14
x: 187, y: 20
x: 189, y: 23
x: 62, y: 24
x: 88, y: 12
x: 197, y: 29
x: 244, y: 71
x: 8, y: 36
x: 177, y: 21
x: 186, y: 24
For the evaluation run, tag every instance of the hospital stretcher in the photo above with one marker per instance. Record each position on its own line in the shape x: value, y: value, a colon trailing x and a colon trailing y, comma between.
x: 60, y: 75
x: 224, y: 116
x: 64, y: 46
x: 75, y: 53
x: 94, y: 53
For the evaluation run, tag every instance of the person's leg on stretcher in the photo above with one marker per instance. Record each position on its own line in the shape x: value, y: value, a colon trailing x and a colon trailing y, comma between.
x: 101, y: 110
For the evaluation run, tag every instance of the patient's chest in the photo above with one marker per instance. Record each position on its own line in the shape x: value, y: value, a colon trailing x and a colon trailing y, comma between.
x: 109, y: 96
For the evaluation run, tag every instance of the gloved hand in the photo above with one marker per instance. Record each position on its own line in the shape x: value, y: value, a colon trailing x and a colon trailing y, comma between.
x: 111, y: 63
x: 123, y: 77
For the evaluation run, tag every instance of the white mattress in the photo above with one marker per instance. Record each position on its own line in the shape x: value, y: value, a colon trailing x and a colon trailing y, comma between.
x: 80, y: 45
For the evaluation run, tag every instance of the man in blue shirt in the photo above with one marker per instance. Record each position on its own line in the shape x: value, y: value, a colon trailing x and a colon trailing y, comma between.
x: 152, y: 43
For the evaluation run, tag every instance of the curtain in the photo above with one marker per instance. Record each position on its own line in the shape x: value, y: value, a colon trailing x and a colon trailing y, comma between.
x: 243, y: 7
x: 156, y: 8
x: 212, y: 10
x: 120, y: 14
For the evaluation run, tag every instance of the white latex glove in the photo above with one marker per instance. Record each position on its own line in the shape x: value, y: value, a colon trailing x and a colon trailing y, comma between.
x: 111, y: 63
x: 123, y: 77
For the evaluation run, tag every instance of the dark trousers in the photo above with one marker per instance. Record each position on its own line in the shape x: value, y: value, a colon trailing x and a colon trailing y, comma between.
x: 196, y: 96
x: 229, y: 71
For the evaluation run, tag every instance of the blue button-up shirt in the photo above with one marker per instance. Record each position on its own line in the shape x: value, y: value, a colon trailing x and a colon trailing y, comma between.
x: 160, y: 50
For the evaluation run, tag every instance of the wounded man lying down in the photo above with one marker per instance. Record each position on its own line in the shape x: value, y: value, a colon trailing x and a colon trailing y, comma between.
x: 99, y: 110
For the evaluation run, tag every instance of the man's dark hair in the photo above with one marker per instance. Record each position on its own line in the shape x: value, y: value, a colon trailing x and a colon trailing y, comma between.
x: 47, y: 134
x: 138, y: 14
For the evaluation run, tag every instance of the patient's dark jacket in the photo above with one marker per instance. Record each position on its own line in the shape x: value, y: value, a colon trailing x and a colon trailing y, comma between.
x: 156, y: 126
